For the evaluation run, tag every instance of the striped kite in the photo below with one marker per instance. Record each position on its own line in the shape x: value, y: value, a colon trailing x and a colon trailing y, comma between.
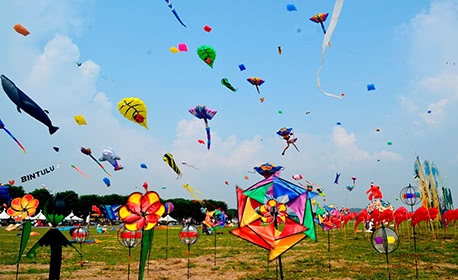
x: 168, y: 158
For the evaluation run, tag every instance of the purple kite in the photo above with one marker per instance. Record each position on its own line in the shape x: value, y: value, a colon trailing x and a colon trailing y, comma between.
x: 202, y: 112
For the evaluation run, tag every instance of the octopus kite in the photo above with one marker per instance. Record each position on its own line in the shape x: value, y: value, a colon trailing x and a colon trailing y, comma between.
x: 287, y: 134
x: 202, y: 112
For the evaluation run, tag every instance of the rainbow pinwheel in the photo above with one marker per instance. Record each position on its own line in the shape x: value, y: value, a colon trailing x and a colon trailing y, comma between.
x: 274, y: 200
x: 141, y: 211
x: 202, y: 112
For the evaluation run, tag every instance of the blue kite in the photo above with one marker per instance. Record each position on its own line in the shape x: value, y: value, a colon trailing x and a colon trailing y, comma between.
x: 174, y: 12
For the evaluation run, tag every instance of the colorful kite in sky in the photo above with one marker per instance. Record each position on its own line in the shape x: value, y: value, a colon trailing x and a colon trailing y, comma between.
x: 88, y: 152
x: 287, y: 133
x: 2, y: 126
x: 110, y: 156
x: 21, y: 29
x: 257, y: 82
x: 80, y: 120
x: 266, y: 169
x: 327, y: 37
x: 25, y: 103
x: 174, y: 12
x: 226, y: 83
x: 207, y: 54
x: 168, y: 158
x: 134, y: 110
x: 202, y: 112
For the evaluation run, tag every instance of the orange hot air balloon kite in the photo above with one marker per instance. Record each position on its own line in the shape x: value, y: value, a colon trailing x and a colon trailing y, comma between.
x: 21, y: 29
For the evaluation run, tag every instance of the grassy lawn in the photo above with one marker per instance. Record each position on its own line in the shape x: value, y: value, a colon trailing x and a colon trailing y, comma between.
x: 352, y: 257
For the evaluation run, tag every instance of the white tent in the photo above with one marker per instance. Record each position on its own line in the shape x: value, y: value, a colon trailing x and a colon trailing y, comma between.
x: 4, y: 216
x: 73, y: 217
x: 39, y: 216
x: 167, y: 219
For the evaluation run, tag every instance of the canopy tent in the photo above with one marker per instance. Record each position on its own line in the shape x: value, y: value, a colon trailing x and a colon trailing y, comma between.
x: 4, y: 216
x: 167, y: 219
x: 39, y: 216
x: 73, y: 217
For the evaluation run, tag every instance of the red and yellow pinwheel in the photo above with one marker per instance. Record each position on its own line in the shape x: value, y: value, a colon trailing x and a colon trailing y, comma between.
x: 271, y: 209
x: 23, y: 207
x: 141, y: 211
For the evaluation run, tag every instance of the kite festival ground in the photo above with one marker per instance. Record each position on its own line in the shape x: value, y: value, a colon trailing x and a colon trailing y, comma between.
x: 351, y: 257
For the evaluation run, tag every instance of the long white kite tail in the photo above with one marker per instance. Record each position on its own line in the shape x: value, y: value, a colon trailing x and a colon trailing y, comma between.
x: 327, y: 37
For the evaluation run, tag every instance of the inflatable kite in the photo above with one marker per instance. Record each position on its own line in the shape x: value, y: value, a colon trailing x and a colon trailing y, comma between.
x: 207, y: 28
x: 291, y: 7
x: 375, y: 192
x: 107, y: 181
x: 174, y: 12
x: 80, y: 120
x: 287, y: 133
x: 88, y: 152
x: 24, y: 102
x: 207, y: 54
x: 182, y: 47
x: 202, y: 112
x: 168, y: 158
x: 21, y: 29
x: 327, y: 37
x: 2, y: 126
x: 174, y: 50
x: 226, y: 83
x: 143, y: 165
x: 134, y: 110
x: 257, y: 82
x: 109, y: 155
x: 279, y: 50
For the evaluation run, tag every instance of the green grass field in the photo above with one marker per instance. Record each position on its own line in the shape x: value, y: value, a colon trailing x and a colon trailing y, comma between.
x: 352, y: 257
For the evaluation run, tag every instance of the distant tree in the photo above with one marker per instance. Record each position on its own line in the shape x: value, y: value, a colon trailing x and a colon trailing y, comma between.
x: 232, y: 213
x: 86, y: 202
x: 113, y: 199
x: 16, y: 192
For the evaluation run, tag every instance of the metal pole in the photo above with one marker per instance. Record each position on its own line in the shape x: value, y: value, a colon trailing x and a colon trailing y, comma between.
x: 81, y: 259
x: 215, y: 249
x: 128, y: 266
x: 189, y: 249
x: 329, y: 249
x: 166, y: 241
x: 415, y: 248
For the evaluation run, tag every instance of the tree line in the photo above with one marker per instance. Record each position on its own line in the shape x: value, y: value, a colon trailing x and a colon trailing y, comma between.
x: 81, y: 205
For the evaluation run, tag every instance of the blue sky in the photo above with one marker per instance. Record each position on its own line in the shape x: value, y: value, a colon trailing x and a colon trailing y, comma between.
x: 400, y: 46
